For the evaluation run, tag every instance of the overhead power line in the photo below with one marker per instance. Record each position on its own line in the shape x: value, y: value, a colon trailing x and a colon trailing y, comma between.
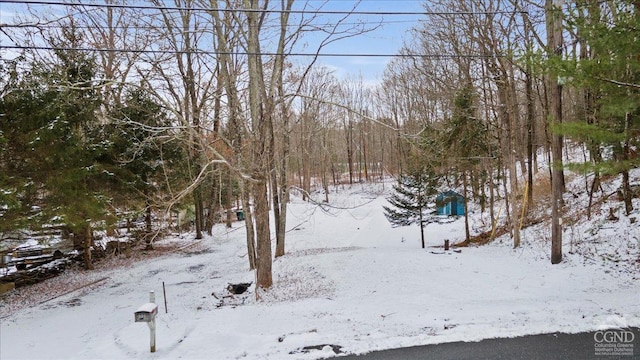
x: 316, y: 12
x: 54, y: 25
x: 212, y: 52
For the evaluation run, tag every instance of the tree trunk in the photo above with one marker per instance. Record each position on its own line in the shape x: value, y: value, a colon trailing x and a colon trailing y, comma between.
x: 228, y: 204
x: 626, y: 186
x: 364, y: 133
x: 492, y: 201
x: 467, y: 233
x: 281, y: 223
x: 507, y: 198
x: 530, y: 115
x: 147, y: 220
x: 421, y: 221
x: 277, y: 215
x: 245, y: 190
x: 278, y: 166
x: 197, y: 200
x: 306, y: 161
x: 554, y: 37
x: 87, y: 237
x: 264, y: 277
x: 509, y: 115
x: 260, y: 109
x: 349, y: 131
x: 282, y: 187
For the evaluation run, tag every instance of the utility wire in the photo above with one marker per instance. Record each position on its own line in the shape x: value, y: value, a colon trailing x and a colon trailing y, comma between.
x: 54, y: 25
x: 235, y: 53
x: 315, y: 12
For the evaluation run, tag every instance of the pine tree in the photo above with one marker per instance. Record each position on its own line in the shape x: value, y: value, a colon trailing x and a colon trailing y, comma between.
x: 47, y: 158
x: 465, y: 139
x: 413, y: 195
x: 138, y: 151
x: 609, y: 71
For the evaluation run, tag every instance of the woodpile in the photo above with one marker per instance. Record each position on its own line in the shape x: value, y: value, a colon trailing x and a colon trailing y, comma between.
x: 36, y: 274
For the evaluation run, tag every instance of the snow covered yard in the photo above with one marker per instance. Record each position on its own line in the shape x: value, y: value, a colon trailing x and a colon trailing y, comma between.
x: 348, y: 279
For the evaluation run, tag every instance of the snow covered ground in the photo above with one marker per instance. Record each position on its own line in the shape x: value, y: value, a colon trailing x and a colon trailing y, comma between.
x: 348, y: 279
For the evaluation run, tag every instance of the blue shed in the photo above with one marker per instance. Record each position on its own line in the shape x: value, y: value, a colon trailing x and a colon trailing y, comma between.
x: 450, y: 203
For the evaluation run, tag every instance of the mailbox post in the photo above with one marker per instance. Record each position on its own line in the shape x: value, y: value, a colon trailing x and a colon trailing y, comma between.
x: 147, y: 313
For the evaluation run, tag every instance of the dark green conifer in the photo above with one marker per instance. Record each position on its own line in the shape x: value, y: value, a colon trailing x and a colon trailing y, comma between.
x: 411, y: 202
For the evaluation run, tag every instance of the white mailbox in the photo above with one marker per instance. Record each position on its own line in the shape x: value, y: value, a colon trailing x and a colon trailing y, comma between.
x: 146, y: 312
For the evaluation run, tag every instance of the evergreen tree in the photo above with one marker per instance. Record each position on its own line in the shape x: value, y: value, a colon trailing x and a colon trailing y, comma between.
x: 609, y: 72
x: 465, y: 139
x: 48, y: 161
x: 15, y: 189
x: 412, y: 199
x: 139, y: 152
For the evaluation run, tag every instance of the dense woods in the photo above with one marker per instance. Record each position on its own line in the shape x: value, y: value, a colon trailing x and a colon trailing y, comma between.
x: 111, y: 112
